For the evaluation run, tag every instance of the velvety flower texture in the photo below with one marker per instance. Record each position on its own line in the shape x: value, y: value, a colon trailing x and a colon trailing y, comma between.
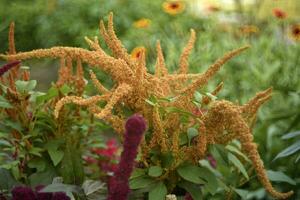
x: 26, y: 193
x: 118, y: 184
x: 8, y: 66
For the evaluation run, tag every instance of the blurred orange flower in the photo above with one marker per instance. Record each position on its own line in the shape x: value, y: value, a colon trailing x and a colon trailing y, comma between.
x: 137, y: 52
x: 142, y: 23
x: 279, y: 13
x: 295, y: 32
x: 173, y: 7
x: 249, y: 29
x: 213, y: 8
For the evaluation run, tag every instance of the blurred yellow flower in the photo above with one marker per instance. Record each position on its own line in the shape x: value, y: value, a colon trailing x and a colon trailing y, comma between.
x: 295, y: 32
x: 137, y: 52
x: 142, y: 23
x: 173, y: 7
x: 249, y: 29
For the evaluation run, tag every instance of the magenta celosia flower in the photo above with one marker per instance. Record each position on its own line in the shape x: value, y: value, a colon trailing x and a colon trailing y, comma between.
x: 42, y: 195
x: 23, y: 193
x: 212, y: 161
x: 118, y: 185
x: 26, y: 193
x: 8, y: 66
x: 60, y: 196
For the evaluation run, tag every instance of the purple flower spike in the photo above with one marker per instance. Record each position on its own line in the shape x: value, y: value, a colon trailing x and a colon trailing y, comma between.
x: 118, y: 184
x: 60, y: 196
x: 42, y: 195
x: 23, y: 193
x: 8, y: 66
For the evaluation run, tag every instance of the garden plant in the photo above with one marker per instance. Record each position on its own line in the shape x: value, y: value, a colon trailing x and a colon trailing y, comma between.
x: 148, y: 131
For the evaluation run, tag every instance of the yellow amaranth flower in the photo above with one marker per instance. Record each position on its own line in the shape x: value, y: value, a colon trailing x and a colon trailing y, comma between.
x: 173, y: 7
x: 142, y: 23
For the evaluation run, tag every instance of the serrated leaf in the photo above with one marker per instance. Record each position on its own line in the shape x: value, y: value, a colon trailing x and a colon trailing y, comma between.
x: 236, y: 162
x: 289, y: 150
x: 159, y: 192
x: 155, y: 171
x: 290, y: 135
x: 280, y: 177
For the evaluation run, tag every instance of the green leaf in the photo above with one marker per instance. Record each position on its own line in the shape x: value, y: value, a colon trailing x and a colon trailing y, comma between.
x: 191, y: 133
x: 38, y: 164
x: 7, y: 181
x: 65, y: 89
x: 198, y: 96
x: 52, y: 92
x: 290, y: 135
x: 155, y: 171
x: 36, y: 151
x: 140, y: 182
x: 60, y: 187
x: 289, y: 150
x: 190, y: 173
x: 280, y: 177
x: 194, y: 190
x: 166, y: 159
x: 242, y: 193
x: 4, y: 103
x: 235, y: 150
x: 211, y: 181
x: 42, y: 178
x: 137, y: 173
x: 236, y: 162
x: 25, y: 86
x: 159, y: 192
x: 91, y: 186
x: 150, y: 102
x: 56, y: 156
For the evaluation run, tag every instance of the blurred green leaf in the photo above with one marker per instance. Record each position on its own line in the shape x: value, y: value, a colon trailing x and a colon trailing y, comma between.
x: 4, y: 103
x: 236, y: 162
x: 25, y: 86
x: 290, y: 135
x: 155, y: 171
x: 158, y: 192
x: 279, y: 177
x: 289, y: 150
x: 190, y: 173
x: 140, y: 182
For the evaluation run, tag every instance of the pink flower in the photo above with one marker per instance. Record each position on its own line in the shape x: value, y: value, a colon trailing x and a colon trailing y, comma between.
x: 212, y: 161
x: 118, y: 188
x: 110, y: 150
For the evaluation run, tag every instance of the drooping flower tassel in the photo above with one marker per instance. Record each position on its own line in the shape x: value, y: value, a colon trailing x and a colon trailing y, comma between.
x: 118, y: 185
